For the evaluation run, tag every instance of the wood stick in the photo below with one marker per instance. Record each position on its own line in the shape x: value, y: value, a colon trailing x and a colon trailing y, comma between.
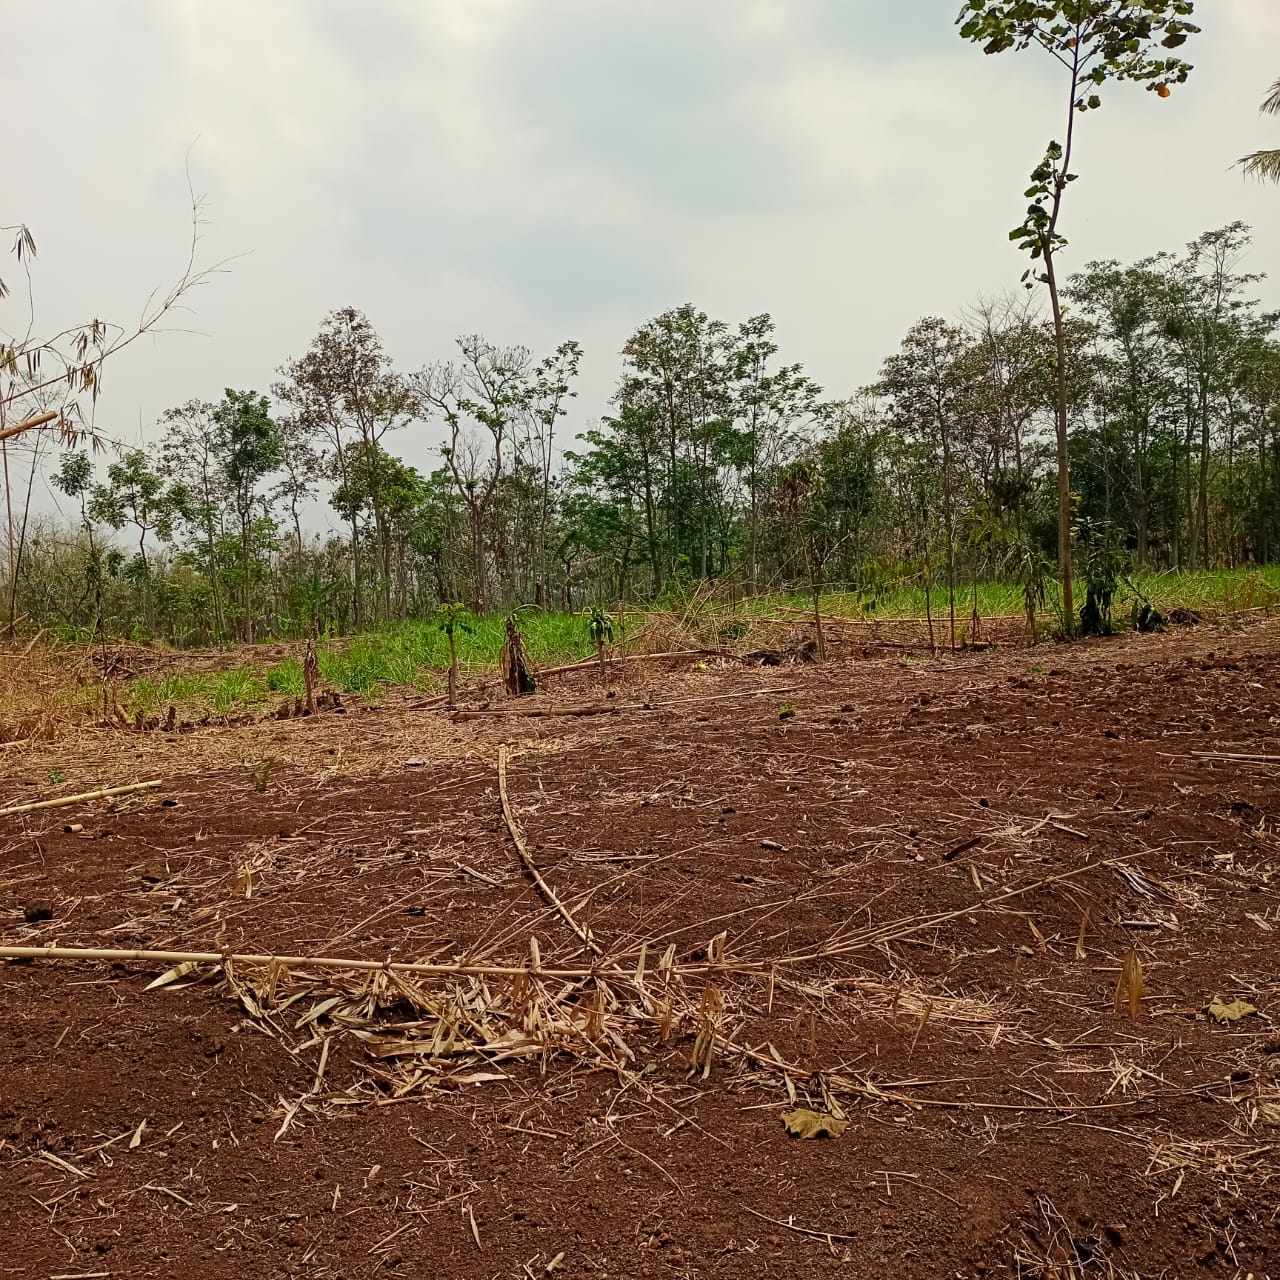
x: 84, y: 795
x: 1241, y: 757
x: 525, y: 857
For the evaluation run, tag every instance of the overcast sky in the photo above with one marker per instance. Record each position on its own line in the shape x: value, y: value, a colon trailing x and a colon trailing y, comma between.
x: 543, y: 169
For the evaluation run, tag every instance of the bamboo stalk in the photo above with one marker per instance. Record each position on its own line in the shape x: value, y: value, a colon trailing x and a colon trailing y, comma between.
x: 84, y: 795
x: 610, y: 970
x: 526, y: 858
x: 19, y: 427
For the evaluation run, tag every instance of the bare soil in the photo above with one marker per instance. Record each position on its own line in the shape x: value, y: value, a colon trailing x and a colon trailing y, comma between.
x: 898, y: 891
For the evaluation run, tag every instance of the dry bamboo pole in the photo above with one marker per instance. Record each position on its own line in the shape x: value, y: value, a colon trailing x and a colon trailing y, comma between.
x: 19, y: 427
x: 526, y: 858
x: 60, y: 801
x: 609, y: 969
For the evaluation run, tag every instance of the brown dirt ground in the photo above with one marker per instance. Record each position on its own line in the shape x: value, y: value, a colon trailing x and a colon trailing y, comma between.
x: 1003, y: 1118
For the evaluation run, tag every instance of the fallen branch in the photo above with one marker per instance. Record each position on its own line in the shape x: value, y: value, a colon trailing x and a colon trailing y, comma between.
x: 76, y: 799
x: 678, y: 654
x: 526, y: 858
x: 534, y: 713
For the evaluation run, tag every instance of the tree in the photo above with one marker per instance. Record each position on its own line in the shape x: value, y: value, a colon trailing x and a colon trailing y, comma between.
x: 301, y: 467
x: 346, y: 389
x: 1265, y: 165
x: 74, y: 478
x: 1124, y: 306
x: 932, y: 400
x: 770, y: 407
x: 189, y: 457
x: 546, y: 399
x: 480, y: 399
x: 1202, y: 309
x: 1095, y: 42
x: 825, y: 495
x: 249, y: 450
x: 136, y: 494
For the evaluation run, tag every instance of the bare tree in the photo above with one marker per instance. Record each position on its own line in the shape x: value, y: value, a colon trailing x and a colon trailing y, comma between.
x: 480, y: 398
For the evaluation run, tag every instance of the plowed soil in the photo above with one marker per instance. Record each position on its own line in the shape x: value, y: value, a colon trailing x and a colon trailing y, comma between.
x: 929, y: 877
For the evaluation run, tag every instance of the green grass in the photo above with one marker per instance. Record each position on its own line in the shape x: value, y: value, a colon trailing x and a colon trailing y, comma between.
x: 416, y: 654
x: 407, y: 653
x: 221, y: 691
x: 1226, y: 589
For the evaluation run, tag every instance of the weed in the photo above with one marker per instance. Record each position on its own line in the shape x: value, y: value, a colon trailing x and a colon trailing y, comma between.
x: 56, y: 776
x: 786, y: 712
x: 286, y: 677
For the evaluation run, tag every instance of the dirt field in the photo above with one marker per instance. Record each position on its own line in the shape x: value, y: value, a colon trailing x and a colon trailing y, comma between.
x: 907, y: 905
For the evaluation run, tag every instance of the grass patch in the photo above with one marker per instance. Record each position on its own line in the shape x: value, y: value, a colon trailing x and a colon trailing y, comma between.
x: 404, y: 654
x: 220, y: 691
x: 1228, y: 590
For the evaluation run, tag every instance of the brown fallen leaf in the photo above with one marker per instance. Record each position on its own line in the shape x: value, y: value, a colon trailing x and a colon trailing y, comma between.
x: 1220, y: 1011
x: 1129, y: 987
x: 802, y: 1123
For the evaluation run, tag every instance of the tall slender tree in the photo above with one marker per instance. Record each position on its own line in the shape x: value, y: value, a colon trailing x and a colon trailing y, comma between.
x: 1094, y: 42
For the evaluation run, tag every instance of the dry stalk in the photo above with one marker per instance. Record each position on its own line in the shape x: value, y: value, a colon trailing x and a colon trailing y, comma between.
x: 62, y: 801
x: 526, y: 858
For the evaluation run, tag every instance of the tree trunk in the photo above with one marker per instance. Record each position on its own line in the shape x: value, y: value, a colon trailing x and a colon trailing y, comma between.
x: 1061, y: 423
x: 819, y: 638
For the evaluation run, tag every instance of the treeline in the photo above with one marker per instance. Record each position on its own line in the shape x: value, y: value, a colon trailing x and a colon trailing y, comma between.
x: 719, y: 460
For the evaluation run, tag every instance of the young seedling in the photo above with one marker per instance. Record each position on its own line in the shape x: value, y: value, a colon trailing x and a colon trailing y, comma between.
x: 600, y: 627
x: 262, y: 774
x: 451, y: 618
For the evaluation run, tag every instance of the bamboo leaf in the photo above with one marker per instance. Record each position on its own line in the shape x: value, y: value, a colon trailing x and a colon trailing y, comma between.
x: 172, y: 975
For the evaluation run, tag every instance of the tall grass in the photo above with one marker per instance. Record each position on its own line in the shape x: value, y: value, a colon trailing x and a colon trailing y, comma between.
x: 221, y: 691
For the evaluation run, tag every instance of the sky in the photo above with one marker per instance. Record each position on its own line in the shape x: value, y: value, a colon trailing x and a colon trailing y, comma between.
x: 536, y: 170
